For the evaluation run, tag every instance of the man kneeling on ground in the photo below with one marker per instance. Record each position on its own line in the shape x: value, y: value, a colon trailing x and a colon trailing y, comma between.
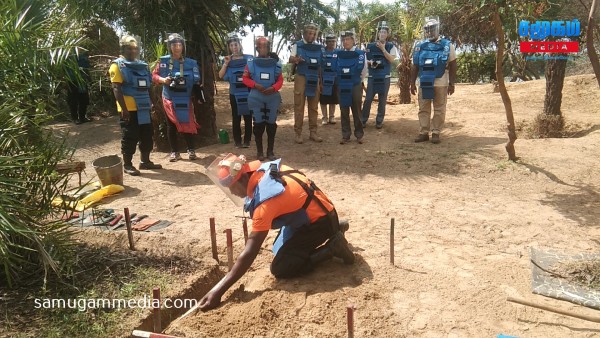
x: 278, y: 197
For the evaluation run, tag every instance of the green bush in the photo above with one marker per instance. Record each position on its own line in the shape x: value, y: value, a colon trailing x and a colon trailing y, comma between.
x: 37, y: 39
x: 474, y: 67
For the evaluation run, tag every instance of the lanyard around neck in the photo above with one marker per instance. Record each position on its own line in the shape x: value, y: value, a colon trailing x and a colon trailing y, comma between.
x: 171, y: 67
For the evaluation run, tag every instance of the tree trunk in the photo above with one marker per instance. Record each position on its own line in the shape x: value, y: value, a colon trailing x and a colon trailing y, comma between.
x: 510, y: 119
x: 590, y: 42
x: 198, y: 47
x: 337, y: 14
x: 159, y: 123
x: 299, y: 23
x: 205, y: 112
x: 555, y: 78
x: 404, y: 75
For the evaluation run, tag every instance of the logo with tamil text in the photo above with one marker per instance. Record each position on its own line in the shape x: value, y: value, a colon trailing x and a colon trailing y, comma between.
x: 540, y: 31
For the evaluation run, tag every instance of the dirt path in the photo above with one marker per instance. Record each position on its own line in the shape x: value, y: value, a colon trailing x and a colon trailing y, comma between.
x: 465, y: 219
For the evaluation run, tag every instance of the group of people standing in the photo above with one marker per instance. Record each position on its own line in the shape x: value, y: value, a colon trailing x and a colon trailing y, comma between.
x: 330, y: 76
x: 254, y: 84
x: 181, y: 83
x: 279, y: 197
x: 325, y: 75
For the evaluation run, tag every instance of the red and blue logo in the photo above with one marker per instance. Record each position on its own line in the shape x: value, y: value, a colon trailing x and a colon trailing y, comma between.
x: 539, y: 33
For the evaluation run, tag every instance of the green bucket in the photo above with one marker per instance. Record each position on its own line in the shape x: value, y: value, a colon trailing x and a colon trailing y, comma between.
x: 223, y: 136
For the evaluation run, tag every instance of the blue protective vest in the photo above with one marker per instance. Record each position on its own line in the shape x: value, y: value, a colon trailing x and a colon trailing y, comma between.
x: 312, y: 54
x: 264, y: 71
x: 271, y: 186
x: 349, y: 67
x: 329, y: 66
x: 188, y: 69
x: 378, y: 74
x: 431, y: 57
x: 136, y: 83
x: 237, y: 88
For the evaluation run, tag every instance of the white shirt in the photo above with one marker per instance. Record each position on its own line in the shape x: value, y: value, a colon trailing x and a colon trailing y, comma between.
x: 444, y: 81
x: 393, y: 52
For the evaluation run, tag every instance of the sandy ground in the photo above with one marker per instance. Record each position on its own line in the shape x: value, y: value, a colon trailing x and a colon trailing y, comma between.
x: 465, y: 220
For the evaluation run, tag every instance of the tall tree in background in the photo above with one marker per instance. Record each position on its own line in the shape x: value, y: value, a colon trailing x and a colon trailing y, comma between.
x: 555, y: 78
x: 410, y: 18
x: 593, y: 55
x: 275, y: 16
x: 510, y: 119
x: 363, y: 17
x: 409, y: 32
x: 202, y: 23
x: 470, y: 25
x: 550, y: 122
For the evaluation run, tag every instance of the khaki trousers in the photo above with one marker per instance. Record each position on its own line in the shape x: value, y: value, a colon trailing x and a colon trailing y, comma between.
x: 299, y: 101
x: 439, y: 111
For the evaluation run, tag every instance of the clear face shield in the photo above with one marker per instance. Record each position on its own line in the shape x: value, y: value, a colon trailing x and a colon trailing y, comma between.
x: 310, y: 33
x: 130, y: 46
x: 347, y: 38
x: 383, y: 31
x: 262, y: 45
x: 330, y: 40
x: 176, y: 44
x: 226, y: 173
x: 234, y: 45
x: 431, y: 29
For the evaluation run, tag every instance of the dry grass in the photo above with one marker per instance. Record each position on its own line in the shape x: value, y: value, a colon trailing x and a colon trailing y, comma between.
x: 99, y: 273
x: 552, y: 127
x: 584, y: 273
x: 547, y: 126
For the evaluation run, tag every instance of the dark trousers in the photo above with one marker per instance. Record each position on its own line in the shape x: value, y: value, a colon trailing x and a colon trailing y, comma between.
x: 133, y: 133
x: 236, y: 121
x: 293, y: 258
x: 345, y: 115
x: 172, y: 137
x: 77, y: 102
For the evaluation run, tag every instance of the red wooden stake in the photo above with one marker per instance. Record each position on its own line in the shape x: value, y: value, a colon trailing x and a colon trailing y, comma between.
x: 229, y: 248
x: 129, y: 230
x: 213, y: 239
x: 392, y: 242
x: 245, y: 227
x: 156, y: 309
x: 350, y: 315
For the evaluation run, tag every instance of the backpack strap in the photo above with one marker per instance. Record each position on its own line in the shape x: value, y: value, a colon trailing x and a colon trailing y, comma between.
x: 308, y: 188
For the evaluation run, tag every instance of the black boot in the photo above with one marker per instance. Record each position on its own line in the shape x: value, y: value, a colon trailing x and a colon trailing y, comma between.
x: 128, y: 167
x: 344, y: 226
x: 259, y: 130
x: 339, y: 248
x: 271, y: 131
x: 145, y: 162
x: 320, y: 255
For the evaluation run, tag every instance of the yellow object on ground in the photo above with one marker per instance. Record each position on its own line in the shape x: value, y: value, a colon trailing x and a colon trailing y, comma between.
x: 90, y: 199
